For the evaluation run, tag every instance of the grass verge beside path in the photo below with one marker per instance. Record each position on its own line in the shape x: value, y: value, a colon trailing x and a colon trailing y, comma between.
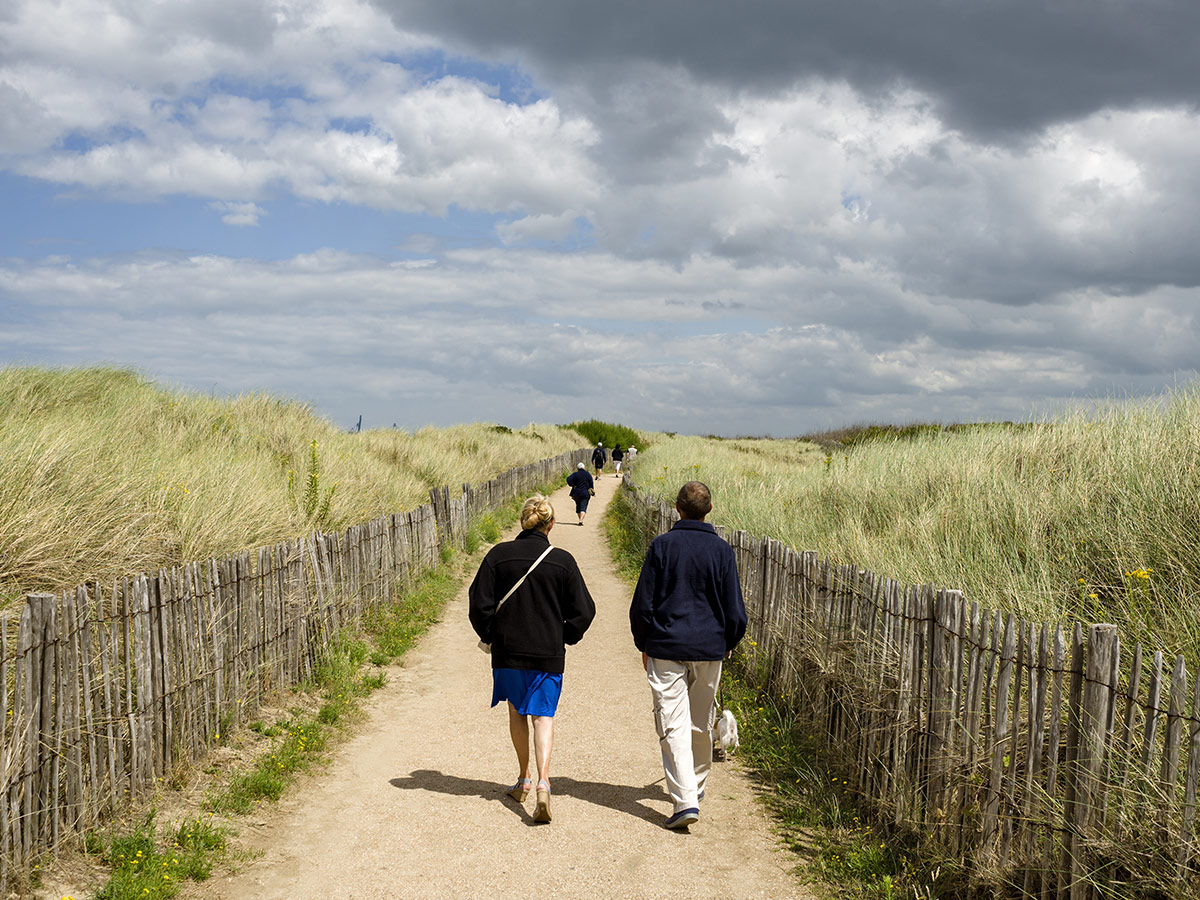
x: 839, y: 847
x: 835, y: 848
x: 144, y: 861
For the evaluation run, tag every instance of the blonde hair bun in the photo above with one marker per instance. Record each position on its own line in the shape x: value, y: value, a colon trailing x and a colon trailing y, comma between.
x: 537, y: 512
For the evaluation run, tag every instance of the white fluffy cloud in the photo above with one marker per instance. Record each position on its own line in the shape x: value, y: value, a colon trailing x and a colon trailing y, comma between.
x: 238, y: 213
x: 232, y: 103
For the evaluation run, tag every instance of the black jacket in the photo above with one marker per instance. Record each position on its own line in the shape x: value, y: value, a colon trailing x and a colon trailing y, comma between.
x: 688, y: 605
x: 551, y: 609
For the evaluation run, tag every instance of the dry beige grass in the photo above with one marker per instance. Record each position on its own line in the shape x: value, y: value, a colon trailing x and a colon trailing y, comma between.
x: 103, y: 474
x: 1095, y: 517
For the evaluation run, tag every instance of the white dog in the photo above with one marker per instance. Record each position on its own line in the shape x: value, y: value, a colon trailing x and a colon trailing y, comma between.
x: 725, y: 734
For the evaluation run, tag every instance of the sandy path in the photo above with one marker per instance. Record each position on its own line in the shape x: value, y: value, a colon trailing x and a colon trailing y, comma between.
x: 413, y: 805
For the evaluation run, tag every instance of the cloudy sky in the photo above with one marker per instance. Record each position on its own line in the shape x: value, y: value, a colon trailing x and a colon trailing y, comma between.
x: 763, y: 217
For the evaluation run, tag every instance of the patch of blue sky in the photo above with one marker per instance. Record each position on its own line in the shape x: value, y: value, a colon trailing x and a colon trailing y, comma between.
x: 14, y: 311
x: 512, y: 85
x: 80, y: 142
x: 39, y: 219
x: 856, y: 206
x: 56, y: 221
x: 355, y: 125
x: 273, y: 92
x: 459, y: 228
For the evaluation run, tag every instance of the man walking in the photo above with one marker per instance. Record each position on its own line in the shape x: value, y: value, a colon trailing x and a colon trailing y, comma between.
x: 599, y: 457
x: 687, y: 616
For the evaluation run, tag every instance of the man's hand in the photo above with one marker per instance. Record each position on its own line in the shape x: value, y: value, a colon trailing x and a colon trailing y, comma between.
x: 646, y: 662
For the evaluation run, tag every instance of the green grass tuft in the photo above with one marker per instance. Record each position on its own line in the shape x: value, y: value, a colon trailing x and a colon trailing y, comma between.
x: 627, y: 538
x: 142, y: 866
x: 396, y: 628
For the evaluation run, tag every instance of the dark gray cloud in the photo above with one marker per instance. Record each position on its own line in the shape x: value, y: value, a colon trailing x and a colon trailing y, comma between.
x: 1006, y: 150
x: 995, y: 68
x: 654, y: 123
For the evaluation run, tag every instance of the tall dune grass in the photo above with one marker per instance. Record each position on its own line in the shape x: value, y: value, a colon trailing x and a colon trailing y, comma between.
x: 1095, y: 517
x: 102, y: 473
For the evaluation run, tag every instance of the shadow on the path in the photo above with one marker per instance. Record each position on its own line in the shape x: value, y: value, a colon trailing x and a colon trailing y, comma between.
x: 432, y: 780
x: 623, y: 798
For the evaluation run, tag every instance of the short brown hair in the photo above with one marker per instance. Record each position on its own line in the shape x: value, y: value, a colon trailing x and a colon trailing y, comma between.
x: 694, y: 500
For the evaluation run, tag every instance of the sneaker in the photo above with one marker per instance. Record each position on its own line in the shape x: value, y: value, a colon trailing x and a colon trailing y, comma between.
x: 684, y: 818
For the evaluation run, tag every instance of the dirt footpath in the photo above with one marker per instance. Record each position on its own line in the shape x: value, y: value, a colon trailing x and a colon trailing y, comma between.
x: 414, y: 807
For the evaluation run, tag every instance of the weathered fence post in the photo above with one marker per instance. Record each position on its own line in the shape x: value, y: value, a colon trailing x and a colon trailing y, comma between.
x: 1002, y: 744
x: 943, y: 706
x: 1102, y: 647
x: 1187, y: 832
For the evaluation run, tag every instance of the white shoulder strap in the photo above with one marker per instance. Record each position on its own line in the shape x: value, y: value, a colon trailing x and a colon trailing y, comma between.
x: 523, y: 577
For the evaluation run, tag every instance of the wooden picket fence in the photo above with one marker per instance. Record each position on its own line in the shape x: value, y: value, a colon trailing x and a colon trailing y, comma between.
x: 1048, y: 762
x: 107, y: 690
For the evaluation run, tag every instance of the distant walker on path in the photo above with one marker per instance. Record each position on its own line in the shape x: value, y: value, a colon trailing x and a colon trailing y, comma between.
x: 599, y: 457
x: 687, y: 616
x: 529, y: 600
x: 582, y: 488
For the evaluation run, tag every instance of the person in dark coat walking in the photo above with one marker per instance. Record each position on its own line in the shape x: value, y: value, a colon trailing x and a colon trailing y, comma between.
x: 687, y: 615
x: 582, y: 488
x: 547, y: 607
x: 599, y: 457
x: 618, y: 455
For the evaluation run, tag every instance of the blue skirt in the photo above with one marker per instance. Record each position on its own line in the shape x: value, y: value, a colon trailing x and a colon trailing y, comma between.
x: 532, y: 693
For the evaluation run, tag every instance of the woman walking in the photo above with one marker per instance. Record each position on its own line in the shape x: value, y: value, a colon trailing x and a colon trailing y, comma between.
x: 582, y: 488
x: 528, y: 600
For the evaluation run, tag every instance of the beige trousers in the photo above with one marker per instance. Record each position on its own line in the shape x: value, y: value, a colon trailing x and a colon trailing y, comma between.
x: 684, y: 693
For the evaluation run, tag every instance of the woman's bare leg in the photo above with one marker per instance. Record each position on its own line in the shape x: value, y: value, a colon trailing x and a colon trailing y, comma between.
x: 543, y: 744
x: 518, y: 728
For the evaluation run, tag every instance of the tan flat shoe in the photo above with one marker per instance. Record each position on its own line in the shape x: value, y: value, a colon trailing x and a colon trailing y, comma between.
x: 542, y: 812
x: 520, y: 790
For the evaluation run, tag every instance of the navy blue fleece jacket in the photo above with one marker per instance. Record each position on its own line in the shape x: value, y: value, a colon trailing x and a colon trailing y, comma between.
x: 688, y: 601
